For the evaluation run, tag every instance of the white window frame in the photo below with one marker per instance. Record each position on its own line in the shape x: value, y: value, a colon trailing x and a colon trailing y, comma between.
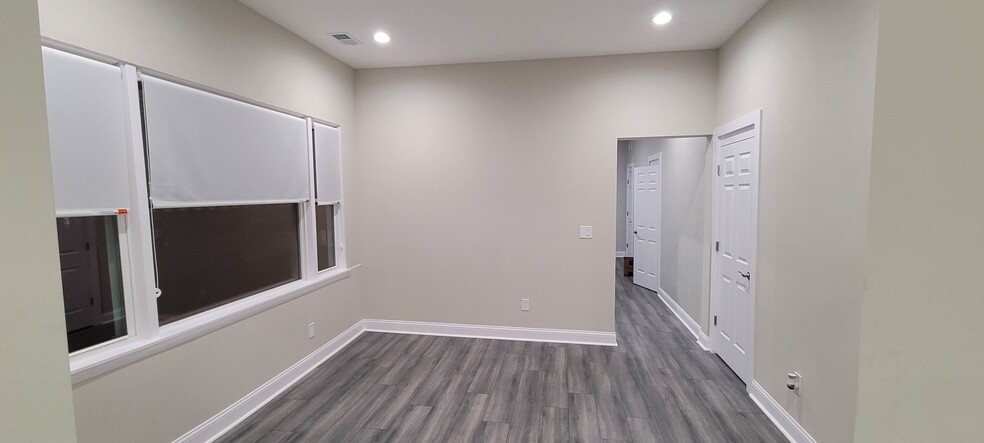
x: 135, y: 238
x: 145, y: 336
x: 341, y: 261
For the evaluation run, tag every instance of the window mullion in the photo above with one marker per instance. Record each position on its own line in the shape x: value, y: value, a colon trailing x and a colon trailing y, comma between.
x: 309, y: 235
x: 341, y: 256
x: 139, y: 234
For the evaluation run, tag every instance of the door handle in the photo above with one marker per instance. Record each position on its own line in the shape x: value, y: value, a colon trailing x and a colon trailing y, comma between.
x: 747, y: 275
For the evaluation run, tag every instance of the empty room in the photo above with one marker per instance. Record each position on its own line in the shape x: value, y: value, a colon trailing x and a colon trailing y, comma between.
x: 490, y: 221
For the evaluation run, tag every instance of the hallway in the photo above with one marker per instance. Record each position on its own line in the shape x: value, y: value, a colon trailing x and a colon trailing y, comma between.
x: 656, y: 386
x: 698, y: 398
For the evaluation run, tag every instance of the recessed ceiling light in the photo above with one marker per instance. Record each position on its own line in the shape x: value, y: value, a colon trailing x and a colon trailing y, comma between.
x: 662, y: 18
x: 381, y: 37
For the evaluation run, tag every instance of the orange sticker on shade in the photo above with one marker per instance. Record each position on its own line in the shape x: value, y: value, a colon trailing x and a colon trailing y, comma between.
x: 122, y: 211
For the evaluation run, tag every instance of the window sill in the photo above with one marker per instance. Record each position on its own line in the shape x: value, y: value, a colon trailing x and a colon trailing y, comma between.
x: 99, y: 361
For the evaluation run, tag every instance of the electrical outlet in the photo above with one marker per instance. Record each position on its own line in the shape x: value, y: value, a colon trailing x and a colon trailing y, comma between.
x: 310, y: 331
x: 794, y: 381
x: 526, y: 304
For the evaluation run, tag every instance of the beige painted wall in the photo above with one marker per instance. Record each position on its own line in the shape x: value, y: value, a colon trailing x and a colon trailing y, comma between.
x: 810, y: 66
x: 482, y: 173
x: 35, y: 390
x: 685, y: 226
x: 921, y: 353
x: 225, y: 45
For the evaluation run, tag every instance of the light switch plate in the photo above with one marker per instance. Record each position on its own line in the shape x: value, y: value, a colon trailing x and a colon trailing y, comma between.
x: 586, y: 232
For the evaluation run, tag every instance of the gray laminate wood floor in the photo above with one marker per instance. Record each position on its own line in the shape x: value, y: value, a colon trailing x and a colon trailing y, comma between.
x: 656, y: 386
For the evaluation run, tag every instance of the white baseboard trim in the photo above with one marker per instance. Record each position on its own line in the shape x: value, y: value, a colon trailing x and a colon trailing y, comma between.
x: 492, y: 332
x: 619, y: 254
x: 702, y: 340
x: 785, y: 422
x: 229, y: 417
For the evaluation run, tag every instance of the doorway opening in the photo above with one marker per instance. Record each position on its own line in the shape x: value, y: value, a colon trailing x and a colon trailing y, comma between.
x: 687, y: 221
x: 663, y: 223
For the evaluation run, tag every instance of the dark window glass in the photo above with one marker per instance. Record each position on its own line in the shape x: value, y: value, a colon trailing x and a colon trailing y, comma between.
x: 326, y: 236
x: 92, y: 282
x: 207, y: 257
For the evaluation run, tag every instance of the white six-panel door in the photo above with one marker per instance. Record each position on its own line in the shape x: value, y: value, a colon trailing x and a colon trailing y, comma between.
x: 646, y: 208
x: 735, y: 225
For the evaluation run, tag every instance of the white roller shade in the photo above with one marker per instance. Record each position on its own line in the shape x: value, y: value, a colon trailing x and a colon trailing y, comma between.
x: 208, y: 150
x: 327, y: 162
x: 87, y: 134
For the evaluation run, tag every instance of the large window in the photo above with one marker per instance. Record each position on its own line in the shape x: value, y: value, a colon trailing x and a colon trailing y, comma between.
x: 207, y: 257
x: 226, y: 179
x: 172, y: 202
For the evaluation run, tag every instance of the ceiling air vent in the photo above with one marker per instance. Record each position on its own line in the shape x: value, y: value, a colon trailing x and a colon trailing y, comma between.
x: 345, y: 38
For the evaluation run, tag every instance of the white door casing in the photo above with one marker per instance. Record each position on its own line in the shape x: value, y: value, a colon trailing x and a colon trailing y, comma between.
x: 646, y: 232
x: 629, y: 197
x: 735, y: 231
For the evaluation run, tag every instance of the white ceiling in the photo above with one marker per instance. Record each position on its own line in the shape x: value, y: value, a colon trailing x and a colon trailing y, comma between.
x: 432, y: 32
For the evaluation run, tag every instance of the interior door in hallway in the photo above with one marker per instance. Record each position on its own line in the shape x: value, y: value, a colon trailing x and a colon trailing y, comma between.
x: 735, y: 230
x: 646, y: 209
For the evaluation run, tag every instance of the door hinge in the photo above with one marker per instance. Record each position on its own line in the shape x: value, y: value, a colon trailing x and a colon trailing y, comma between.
x: 92, y: 301
x: 719, y: 170
x: 87, y: 246
x: 715, y: 320
x: 717, y: 246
